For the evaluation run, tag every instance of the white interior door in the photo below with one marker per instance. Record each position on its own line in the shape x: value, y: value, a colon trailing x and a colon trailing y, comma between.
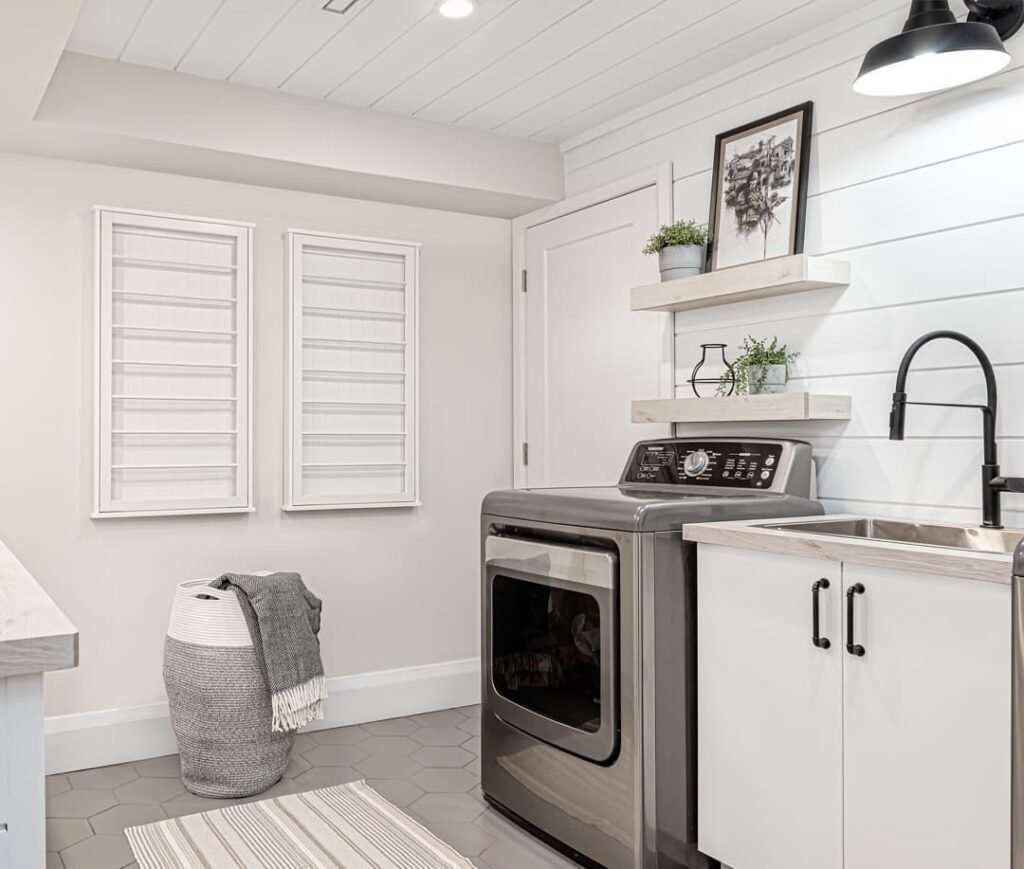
x: 587, y: 355
x: 927, y: 722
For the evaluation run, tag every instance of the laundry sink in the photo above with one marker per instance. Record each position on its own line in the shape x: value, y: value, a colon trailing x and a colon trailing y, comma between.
x: 966, y: 537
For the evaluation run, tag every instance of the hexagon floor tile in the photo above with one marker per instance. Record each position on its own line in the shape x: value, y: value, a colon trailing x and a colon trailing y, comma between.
x: 445, y: 781
x: 392, y: 727
x: 105, y: 778
x: 427, y: 764
x: 447, y: 807
x: 442, y: 756
x: 113, y: 821
x: 79, y: 804
x: 335, y: 755
x: 99, y: 852
x: 388, y: 766
x: 148, y: 791
x: 64, y: 832
x: 160, y: 767
x: 440, y: 736
x: 398, y: 792
x: 338, y: 736
x: 327, y: 776
x: 393, y: 745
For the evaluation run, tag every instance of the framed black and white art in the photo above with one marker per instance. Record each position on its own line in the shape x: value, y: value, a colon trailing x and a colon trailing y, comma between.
x: 759, y: 189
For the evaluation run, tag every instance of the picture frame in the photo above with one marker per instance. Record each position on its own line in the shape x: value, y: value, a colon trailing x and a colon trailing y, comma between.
x: 759, y: 189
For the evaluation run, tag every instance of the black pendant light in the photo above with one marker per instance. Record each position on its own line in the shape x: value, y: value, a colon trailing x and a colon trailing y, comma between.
x: 935, y: 51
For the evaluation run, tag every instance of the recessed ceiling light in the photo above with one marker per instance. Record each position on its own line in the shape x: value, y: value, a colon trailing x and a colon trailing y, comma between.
x: 456, y: 8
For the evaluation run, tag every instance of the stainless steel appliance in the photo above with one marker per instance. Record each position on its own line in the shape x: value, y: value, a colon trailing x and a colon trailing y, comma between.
x: 589, y: 644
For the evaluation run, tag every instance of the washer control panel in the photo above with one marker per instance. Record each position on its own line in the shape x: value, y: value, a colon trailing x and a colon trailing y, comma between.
x: 735, y: 464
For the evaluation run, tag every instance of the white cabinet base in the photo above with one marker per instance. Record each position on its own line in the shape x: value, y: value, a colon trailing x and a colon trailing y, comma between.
x: 927, y: 723
x: 22, y: 773
x: 769, y: 712
x: 897, y: 758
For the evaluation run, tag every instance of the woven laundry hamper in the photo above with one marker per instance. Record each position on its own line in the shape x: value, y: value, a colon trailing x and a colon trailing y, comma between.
x: 220, y: 704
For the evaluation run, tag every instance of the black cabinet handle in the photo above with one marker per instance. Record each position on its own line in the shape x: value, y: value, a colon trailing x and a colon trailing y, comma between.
x: 851, y: 646
x: 816, y: 638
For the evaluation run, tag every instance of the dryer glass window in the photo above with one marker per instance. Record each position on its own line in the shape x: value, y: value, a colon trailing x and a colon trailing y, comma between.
x: 546, y: 644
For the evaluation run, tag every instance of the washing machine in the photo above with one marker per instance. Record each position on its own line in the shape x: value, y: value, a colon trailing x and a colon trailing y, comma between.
x: 589, y: 644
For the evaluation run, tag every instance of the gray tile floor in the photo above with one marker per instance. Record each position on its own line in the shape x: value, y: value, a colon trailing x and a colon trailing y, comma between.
x: 429, y: 765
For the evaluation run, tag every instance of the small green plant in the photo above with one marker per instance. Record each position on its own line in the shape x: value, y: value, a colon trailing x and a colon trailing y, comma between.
x: 756, y: 353
x: 685, y: 232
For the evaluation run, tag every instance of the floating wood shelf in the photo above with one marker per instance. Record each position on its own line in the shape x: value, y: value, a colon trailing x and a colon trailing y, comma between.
x: 784, y: 407
x: 760, y: 280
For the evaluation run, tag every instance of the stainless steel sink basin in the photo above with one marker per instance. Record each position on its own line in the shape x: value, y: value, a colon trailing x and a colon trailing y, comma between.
x: 914, y: 533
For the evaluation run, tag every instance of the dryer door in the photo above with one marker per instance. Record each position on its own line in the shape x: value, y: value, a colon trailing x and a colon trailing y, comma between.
x: 551, y: 653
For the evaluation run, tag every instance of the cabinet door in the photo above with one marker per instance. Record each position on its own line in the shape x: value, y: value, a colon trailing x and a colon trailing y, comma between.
x: 769, y: 712
x: 927, y: 722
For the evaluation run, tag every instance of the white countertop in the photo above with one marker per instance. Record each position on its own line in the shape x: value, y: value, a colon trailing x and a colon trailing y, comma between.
x: 983, y: 566
x: 35, y: 635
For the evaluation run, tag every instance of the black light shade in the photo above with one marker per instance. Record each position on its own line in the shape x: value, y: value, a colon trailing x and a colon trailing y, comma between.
x: 935, y: 51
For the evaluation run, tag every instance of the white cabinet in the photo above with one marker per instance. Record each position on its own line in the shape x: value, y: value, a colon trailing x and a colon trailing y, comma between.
x: 35, y: 637
x: 812, y: 758
x: 769, y: 712
x: 927, y: 722
x: 22, y: 783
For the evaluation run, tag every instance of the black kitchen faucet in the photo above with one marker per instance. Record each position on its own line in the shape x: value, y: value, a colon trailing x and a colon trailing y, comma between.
x: 992, y: 483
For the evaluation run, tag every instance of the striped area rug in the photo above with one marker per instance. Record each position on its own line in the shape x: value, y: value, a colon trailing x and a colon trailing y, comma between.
x: 349, y: 827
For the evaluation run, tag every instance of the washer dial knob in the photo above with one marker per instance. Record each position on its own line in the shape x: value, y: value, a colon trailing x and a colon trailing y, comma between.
x: 696, y: 463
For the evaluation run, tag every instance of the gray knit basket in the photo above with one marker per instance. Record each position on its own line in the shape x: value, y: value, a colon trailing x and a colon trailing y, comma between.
x: 220, y: 706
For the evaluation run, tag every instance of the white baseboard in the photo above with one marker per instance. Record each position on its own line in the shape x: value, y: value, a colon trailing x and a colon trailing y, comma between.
x: 92, y: 739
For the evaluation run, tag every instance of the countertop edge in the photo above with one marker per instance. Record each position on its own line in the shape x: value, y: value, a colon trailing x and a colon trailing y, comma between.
x: 745, y: 534
x: 35, y: 634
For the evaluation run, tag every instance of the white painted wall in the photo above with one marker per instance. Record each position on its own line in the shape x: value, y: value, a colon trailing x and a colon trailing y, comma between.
x: 400, y: 587
x: 925, y: 197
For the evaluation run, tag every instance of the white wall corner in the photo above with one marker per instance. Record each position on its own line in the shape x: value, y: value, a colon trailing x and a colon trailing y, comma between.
x: 94, y: 739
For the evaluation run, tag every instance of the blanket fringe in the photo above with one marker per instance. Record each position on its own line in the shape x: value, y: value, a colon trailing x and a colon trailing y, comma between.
x: 299, y: 704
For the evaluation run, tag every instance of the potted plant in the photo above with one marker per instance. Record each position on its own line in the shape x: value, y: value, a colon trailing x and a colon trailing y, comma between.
x: 681, y: 249
x: 762, y: 368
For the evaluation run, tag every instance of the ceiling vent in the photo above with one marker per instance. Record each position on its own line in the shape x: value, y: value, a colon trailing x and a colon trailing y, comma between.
x: 339, y: 6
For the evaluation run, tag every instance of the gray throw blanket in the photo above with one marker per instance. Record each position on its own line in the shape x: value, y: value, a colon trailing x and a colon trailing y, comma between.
x: 283, y: 617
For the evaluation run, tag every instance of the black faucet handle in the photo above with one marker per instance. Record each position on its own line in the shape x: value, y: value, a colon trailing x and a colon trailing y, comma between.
x: 1008, y: 484
x: 898, y: 416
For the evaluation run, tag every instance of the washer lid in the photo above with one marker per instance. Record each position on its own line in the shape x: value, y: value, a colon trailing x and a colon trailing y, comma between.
x: 622, y: 508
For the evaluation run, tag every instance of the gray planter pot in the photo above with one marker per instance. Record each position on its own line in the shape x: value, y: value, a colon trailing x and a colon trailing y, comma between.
x: 775, y: 379
x: 681, y: 261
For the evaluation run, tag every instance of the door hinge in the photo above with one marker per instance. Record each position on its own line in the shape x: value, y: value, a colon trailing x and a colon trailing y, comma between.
x: 524, y: 280
x: 526, y: 453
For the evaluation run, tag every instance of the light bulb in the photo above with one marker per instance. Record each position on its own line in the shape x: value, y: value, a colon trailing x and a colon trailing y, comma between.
x: 456, y: 8
x: 926, y: 73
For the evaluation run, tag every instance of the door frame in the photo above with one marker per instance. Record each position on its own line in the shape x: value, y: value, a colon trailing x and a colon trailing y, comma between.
x: 659, y: 177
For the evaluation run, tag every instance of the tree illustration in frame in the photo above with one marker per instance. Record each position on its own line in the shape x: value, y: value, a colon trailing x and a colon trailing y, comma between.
x: 759, y: 191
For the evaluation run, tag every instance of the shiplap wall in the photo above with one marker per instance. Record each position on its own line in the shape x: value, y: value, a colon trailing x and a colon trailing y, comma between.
x: 925, y: 197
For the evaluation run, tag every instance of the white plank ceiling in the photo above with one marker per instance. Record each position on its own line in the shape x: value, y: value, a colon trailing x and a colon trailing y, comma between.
x: 543, y: 69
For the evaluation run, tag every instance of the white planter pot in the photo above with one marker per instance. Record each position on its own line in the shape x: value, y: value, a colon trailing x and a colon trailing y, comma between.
x: 774, y: 377
x: 681, y: 261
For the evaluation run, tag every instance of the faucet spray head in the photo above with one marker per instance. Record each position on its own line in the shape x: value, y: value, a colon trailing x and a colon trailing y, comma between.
x: 898, y: 416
